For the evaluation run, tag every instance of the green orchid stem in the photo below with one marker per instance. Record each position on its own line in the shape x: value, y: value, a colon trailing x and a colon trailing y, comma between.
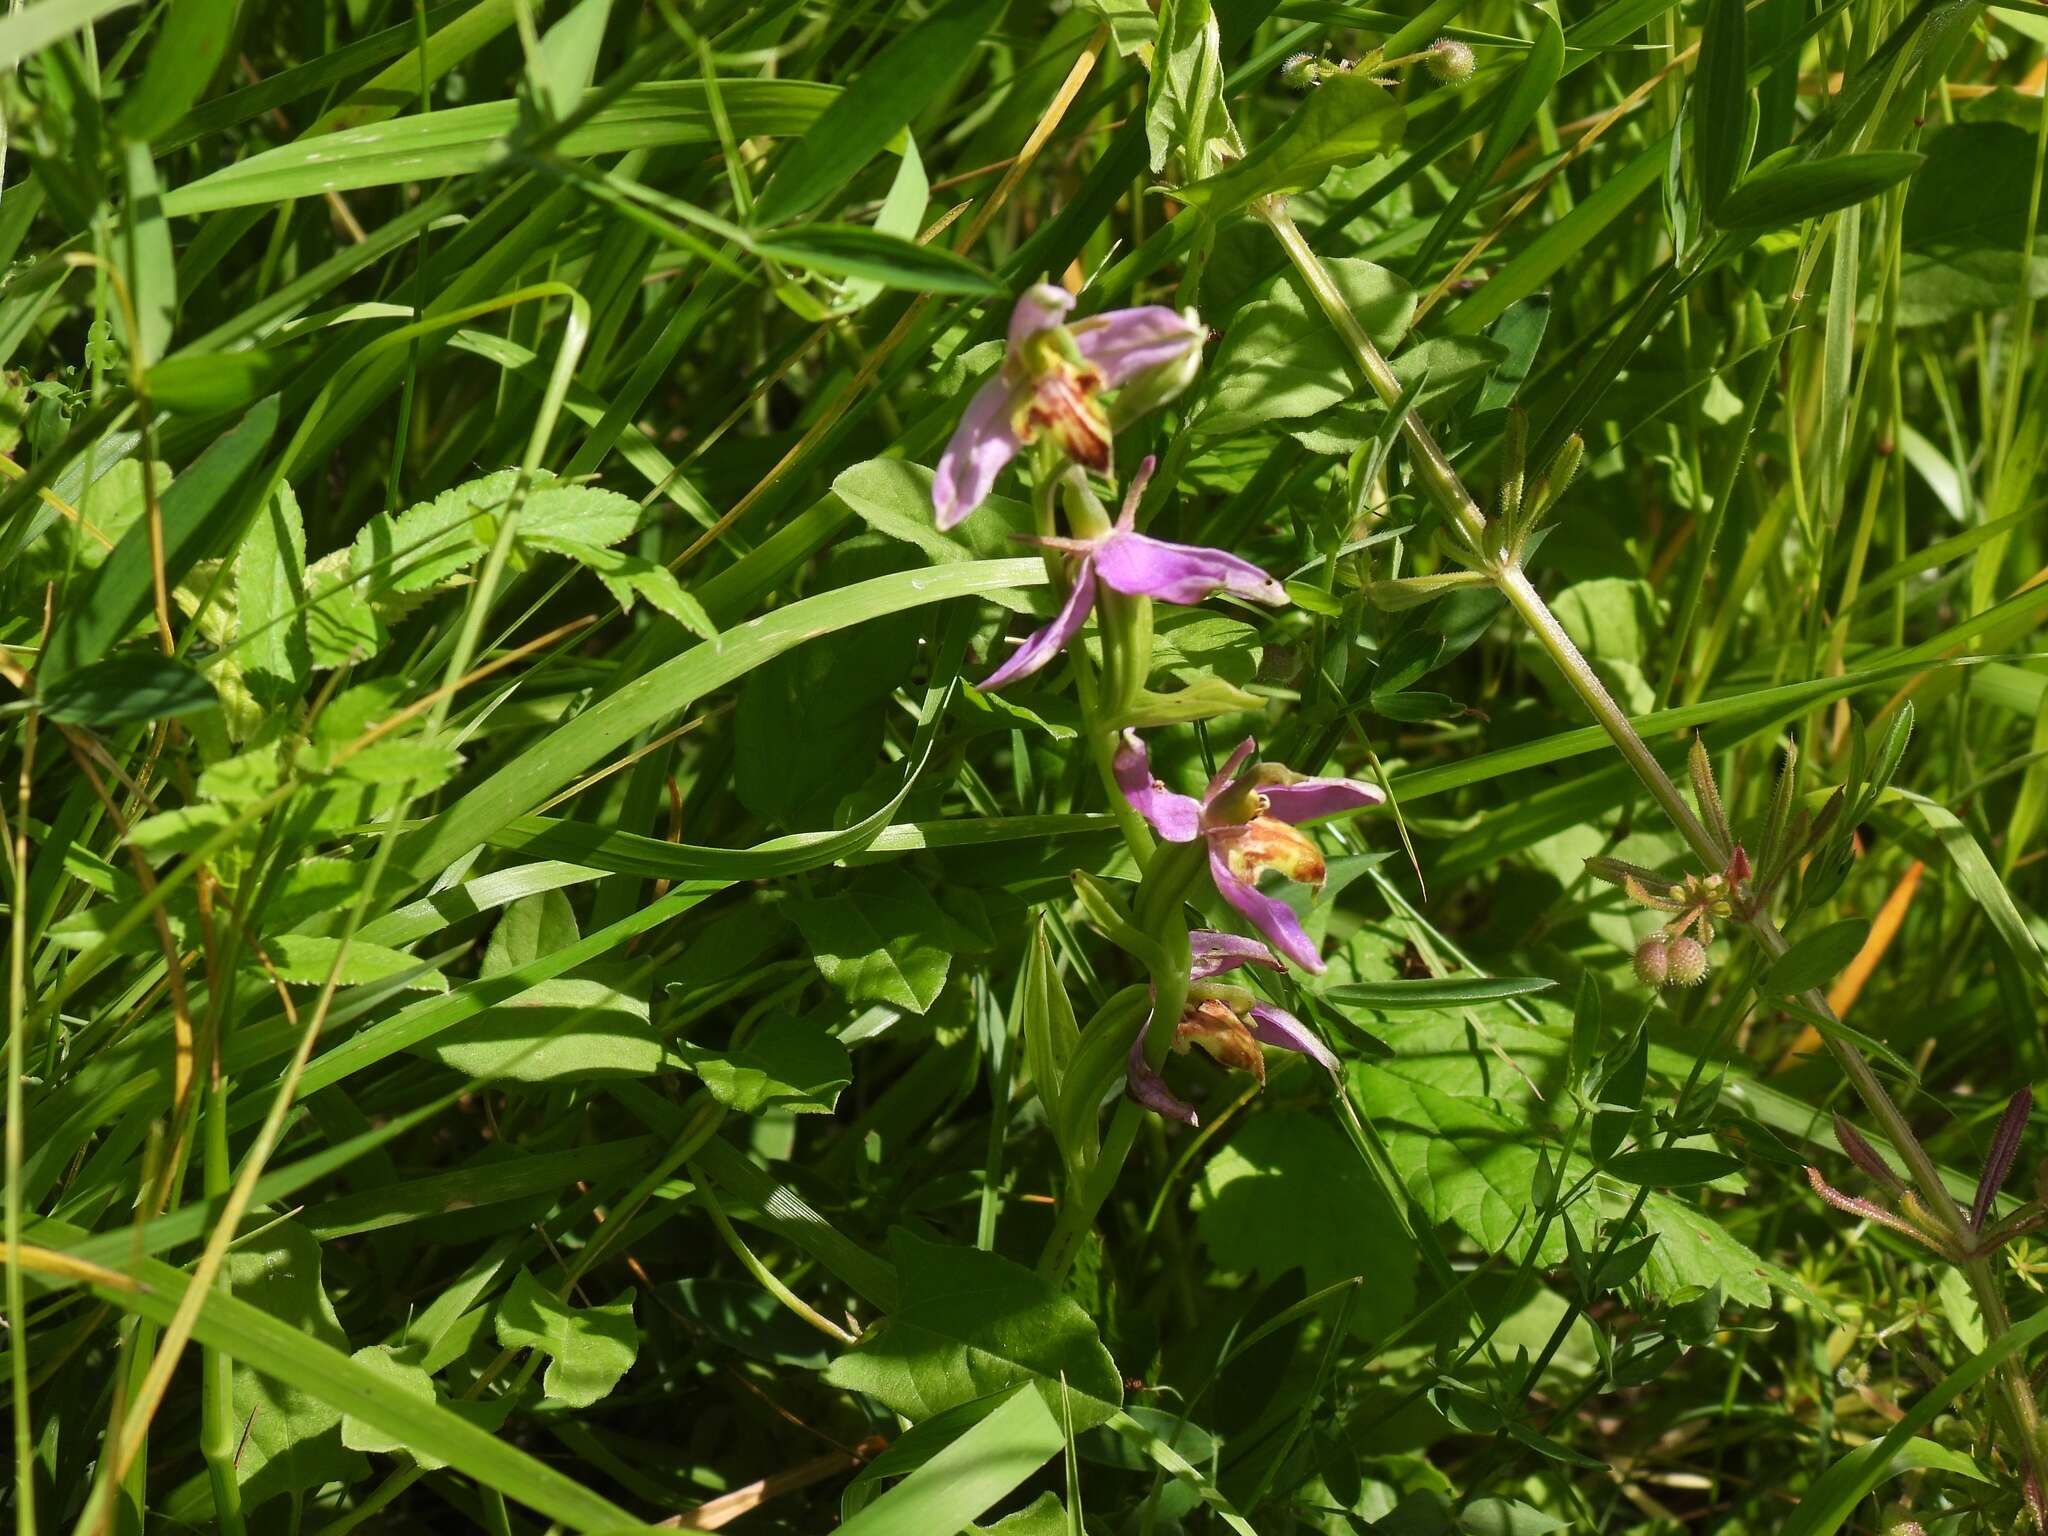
x: 1433, y: 469
x: 1161, y: 898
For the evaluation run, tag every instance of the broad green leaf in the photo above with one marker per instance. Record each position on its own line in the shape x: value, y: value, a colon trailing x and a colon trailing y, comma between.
x: 178, y: 831
x: 855, y: 251
x: 1343, y: 121
x: 1774, y: 196
x: 970, y: 1323
x: 1043, y: 1516
x: 786, y: 1063
x: 895, y: 498
x: 1506, y: 1517
x: 1461, y: 1160
x: 135, y: 685
x: 294, y: 1441
x: 1288, y: 1190
x: 210, y: 383
x: 628, y: 577
x: 1974, y: 191
x: 1817, y: 958
x: 530, y: 928
x: 401, y: 1376
x: 588, y: 1348
x: 884, y: 941
x: 425, y: 765
x: 1132, y: 26
x: 427, y: 544
x: 1672, y: 1167
x: 1280, y: 359
x: 916, y: 67
x: 585, y: 514
x: 965, y: 1478
x: 308, y: 959
x: 568, y: 55
x: 1694, y: 1249
x: 593, y: 1024
x: 1184, y: 108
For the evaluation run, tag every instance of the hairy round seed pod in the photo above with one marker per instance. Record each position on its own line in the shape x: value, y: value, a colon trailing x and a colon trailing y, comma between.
x: 1451, y: 61
x: 1300, y: 72
x: 1688, y: 967
x: 1653, y: 960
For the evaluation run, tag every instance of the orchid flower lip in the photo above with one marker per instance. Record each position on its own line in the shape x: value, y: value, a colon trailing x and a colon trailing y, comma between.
x: 1244, y: 841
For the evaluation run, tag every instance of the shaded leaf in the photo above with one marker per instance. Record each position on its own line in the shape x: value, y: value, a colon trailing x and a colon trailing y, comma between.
x: 588, y: 1348
x: 787, y: 1063
x: 125, y: 688
x: 971, y: 1323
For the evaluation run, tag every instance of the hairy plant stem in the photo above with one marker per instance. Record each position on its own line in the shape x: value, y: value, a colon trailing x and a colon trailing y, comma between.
x: 1503, y: 568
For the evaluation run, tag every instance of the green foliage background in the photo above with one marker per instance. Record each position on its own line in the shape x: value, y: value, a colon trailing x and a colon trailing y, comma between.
x: 523, y: 937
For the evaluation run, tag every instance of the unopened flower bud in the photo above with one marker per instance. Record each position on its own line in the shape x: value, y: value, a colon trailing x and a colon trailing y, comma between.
x: 1451, y: 61
x: 1653, y: 960
x: 1688, y: 966
x: 1301, y: 72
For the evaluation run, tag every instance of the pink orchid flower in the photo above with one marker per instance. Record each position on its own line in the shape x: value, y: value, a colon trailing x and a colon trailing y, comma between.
x: 1051, y: 381
x: 1138, y: 565
x: 1231, y: 1035
x: 1248, y: 822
